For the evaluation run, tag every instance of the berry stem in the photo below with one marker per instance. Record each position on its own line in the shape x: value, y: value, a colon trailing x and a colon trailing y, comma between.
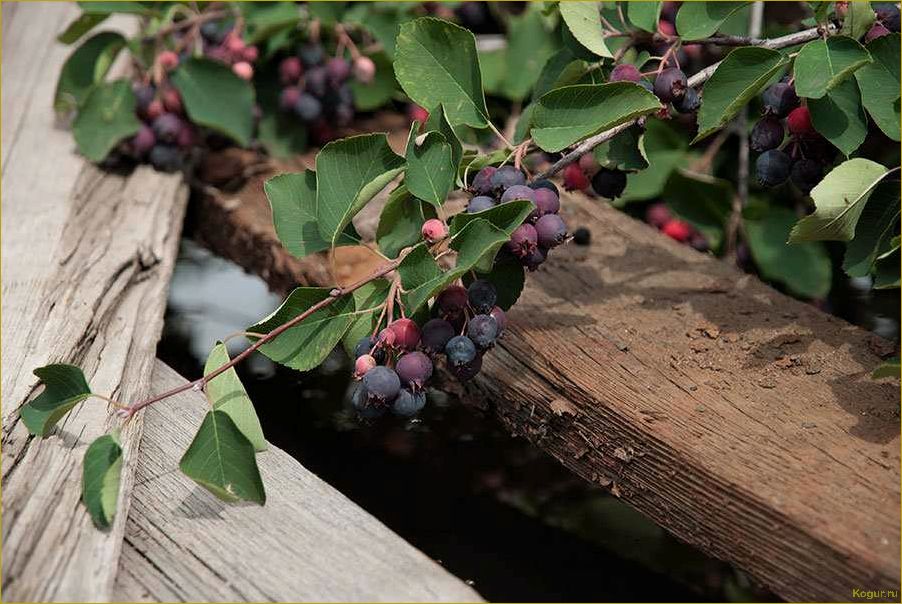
x: 339, y: 292
x: 702, y: 76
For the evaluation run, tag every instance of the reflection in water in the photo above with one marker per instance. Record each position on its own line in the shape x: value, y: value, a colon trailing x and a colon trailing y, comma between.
x: 492, y: 509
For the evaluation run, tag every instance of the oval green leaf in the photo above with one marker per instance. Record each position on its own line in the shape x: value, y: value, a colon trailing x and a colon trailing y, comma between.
x: 64, y: 387
x: 584, y: 22
x: 697, y: 20
x: 226, y: 393
x: 879, y: 84
x: 106, y: 118
x: 401, y: 222
x: 101, y: 474
x: 822, y: 65
x: 644, y: 15
x: 839, y: 116
x: 430, y: 169
x: 216, y: 98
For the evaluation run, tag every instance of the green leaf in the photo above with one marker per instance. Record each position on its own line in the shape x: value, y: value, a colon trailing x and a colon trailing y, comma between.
x: 570, y: 114
x: 703, y: 201
x: 292, y: 198
x: 623, y: 152
x: 282, y: 133
x: 886, y: 270
x: 107, y: 117
x: 822, y: 65
x: 438, y: 122
x: 82, y: 25
x: 369, y: 97
x: 328, y: 13
x: 369, y: 296
x: 226, y: 393
x: 307, y: 344
x: 839, y: 198
x: 436, y: 63
x: 644, y: 15
x: 401, y: 221
x: 697, y: 20
x: 804, y: 269
x: 382, y: 19
x: 739, y: 78
x: 874, y: 229
x: 85, y: 67
x: 221, y: 459
x: 879, y: 83
x: 216, y: 98
x: 858, y: 20
x: 263, y: 19
x: 507, y: 275
x: 422, y: 278
x: 584, y: 22
x: 888, y: 368
x: 524, y: 124
x: 64, y: 387
x: 840, y: 117
x: 101, y: 473
x: 108, y: 8
x: 665, y: 149
x: 529, y: 46
x: 349, y: 173
x: 821, y: 9
x: 492, y: 65
x: 430, y: 170
x: 561, y: 69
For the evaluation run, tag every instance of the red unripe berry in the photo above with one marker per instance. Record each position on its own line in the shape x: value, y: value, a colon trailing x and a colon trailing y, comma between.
x: 187, y: 137
x: 289, y: 97
x: 625, y: 72
x: 172, y: 100
x: 434, y: 230
x: 452, y: 302
x: 154, y: 110
x: 574, y: 178
x: 243, y: 70
x: 878, y: 30
x: 588, y: 164
x: 363, y: 364
x: 364, y: 69
x: 678, y: 230
x: 657, y: 215
x: 168, y: 60
x: 406, y: 334
x: 799, y: 121
x: 417, y: 114
x: 693, y: 51
x: 233, y: 43
x: 666, y: 27
x: 290, y: 70
x: 250, y: 54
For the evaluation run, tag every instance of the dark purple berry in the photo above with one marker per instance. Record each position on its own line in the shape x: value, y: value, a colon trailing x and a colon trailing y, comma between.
x: 670, y: 85
x: 772, y: 167
x: 414, y: 369
x: 506, y: 177
x: 362, y: 403
x: 460, y: 350
x: 518, y: 192
x: 888, y: 15
x: 482, y: 182
x: 311, y: 54
x: 365, y: 346
x: 482, y: 296
x: 767, y: 134
x: 535, y: 259
x: 144, y: 95
x: 523, y: 240
x: 408, y: 404
x: 479, y: 204
x: 805, y: 174
x: 344, y: 115
x: 214, y: 32
x: 780, y: 99
x: 551, y: 231
x: 288, y: 98
x: 467, y: 371
x: 699, y: 242
x: 625, y: 72
x: 582, y: 236
x: 877, y: 30
x: 544, y: 183
x: 609, y: 183
x: 452, y: 302
x: 316, y: 82
x: 143, y: 141
x: 382, y: 384
x: 338, y: 70
x: 165, y: 158
x: 308, y: 107
x: 435, y: 335
x: 483, y: 330
x: 167, y: 127
x: 500, y: 319
x: 689, y: 102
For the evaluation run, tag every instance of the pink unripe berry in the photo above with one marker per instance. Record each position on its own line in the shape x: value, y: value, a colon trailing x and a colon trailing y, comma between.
x: 363, y: 364
x: 364, y: 69
x: 434, y: 230
x: 625, y: 72
x: 878, y: 30
x: 290, y: 70
x: 243, y: 70
x: 417, y: 113
x: 168, y: 60
x: 250, y: 54
x: 233, y: 43
x: 666, y: 28
x: 154, y: 110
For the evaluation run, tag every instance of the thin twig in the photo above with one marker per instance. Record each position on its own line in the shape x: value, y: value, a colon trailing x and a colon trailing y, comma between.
x: 697, y: 79
x: 334, y: 295
x: 185, y: 24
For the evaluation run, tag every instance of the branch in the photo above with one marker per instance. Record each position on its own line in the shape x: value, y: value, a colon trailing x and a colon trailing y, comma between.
x: 697, y: 79
x: 334, y: 295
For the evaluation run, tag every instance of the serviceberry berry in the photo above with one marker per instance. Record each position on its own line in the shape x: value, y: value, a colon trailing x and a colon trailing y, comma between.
x: 382, y: 383
x: 500, y: 319
x: 544, y: 183
x: 670, y: 85
x: 434, y: 230
x: 609, y: 183
x: 414, y: 369
x: 435, y: 335
x: 518, y: 192
x: 482, y: 296
x: 482, y: 182
x: 582, y: 236
x: 689, y: 102
x: 451, y: 303
x: 523, y: 240
x: 506, y: 177
x: 363, y: 364
x: 480, y: 203
x: 657, y: 215
x: 574, y: 178
x: 772, y: 167
x: 625, y: 72
x: 406, y: 334
x: 551, y: 231
x: 767, y: 134
x: 408, y: 404
x: 678, y: 230
x: 466, y: 371
x: 799, y: 122
x: 482, y: 330
x: 780, y: 99
x: 460, y: 351
x: 805, y: 174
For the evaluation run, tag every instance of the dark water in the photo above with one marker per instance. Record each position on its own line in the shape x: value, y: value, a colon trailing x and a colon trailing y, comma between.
x: 492, y: 509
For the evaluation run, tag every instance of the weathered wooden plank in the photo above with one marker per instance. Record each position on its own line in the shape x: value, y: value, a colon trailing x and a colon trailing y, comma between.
x: 743, y: 421
x: 308, y: 543
x: 86, y: 262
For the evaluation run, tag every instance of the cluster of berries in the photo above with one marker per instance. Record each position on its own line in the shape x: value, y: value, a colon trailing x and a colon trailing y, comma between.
x: 394, y: 366
x: 223, y: 44
x: 316, y: 88
x: 670, y: 86
x: 803, y: 156
x: 659, y: 216
x: 542, y: 230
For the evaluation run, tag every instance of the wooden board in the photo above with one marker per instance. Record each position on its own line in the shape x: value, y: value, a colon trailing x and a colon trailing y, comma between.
x: 308, y: 543
x: 86, y: 263
x: 743, y: 421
